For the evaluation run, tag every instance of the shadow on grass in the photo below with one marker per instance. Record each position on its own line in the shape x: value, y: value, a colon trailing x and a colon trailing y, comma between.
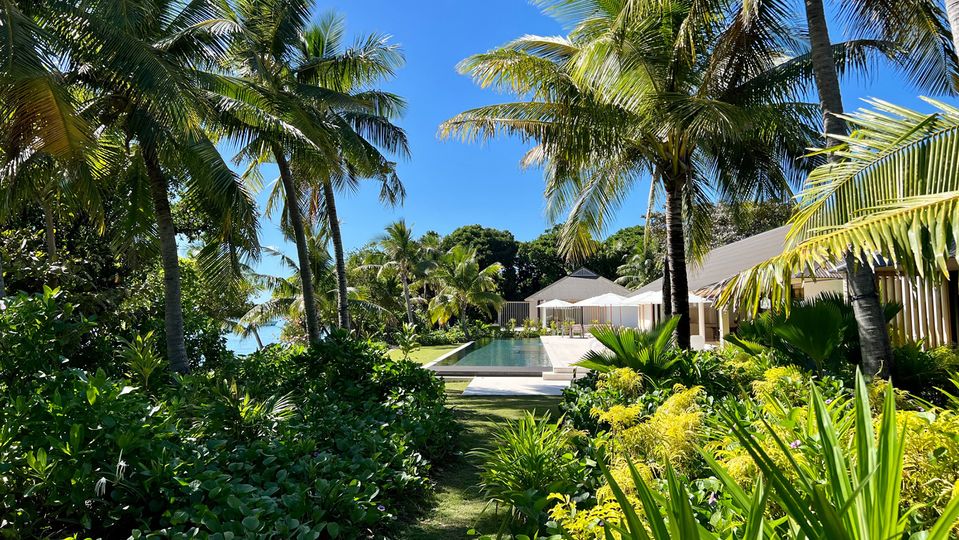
x: 459, y: 506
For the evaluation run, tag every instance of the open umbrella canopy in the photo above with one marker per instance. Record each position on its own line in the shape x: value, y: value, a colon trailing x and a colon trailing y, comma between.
x: 656, y: 298
x: 555, y: 304
x: 603, y: 300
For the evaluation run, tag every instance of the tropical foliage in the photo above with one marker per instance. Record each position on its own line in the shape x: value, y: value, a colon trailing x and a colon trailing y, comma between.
x: 748, y: 442
x: 651, y: 353
x: 463, y: 284
x: 115, y: 445
x: 888, y: 193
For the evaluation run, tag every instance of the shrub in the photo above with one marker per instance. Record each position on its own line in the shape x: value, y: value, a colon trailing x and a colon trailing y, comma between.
x: 334, y: 441
x: 851, y: 490
x: 919, y: 371
x: 652, y: 353
x: 528, y: 460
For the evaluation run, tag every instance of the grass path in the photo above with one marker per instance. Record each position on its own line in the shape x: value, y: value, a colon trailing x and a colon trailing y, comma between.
x: 458, y: 504
x: 425, y: 354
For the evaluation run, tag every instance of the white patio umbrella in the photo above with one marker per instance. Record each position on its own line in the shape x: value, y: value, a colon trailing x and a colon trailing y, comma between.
x: 607, y: 300
x: 554, y: 305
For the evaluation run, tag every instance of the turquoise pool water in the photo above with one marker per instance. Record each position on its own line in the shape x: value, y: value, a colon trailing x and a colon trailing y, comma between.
x: 501, y: 353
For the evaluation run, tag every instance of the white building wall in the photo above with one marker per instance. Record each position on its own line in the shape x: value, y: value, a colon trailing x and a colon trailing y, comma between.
x: 814, y: 289
x: 573, y: 289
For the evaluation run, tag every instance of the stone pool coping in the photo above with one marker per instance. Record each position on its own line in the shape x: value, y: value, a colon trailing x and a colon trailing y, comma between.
x: 446, y: 355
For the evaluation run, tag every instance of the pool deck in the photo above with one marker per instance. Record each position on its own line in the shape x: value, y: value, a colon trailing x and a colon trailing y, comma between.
x: 514, y: 386
x: 565, y: 351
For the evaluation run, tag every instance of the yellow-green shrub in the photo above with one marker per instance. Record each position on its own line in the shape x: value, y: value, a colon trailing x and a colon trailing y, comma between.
x: 627, y: 382
x: 787, y: 383
x: 931, y: 461
x: 586, y: 524
x: 669, y: 434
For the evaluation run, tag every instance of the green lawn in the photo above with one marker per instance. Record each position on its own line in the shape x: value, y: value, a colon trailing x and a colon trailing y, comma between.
x: 458, y: 505
x: 425, y: 355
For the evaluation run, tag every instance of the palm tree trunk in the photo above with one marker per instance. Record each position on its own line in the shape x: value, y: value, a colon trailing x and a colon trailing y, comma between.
x: 676, y: 259
x: 302, y: 248
x: 667, y: 288
x: 256, y: 334
x: 406, y: 297
x: 860, y: 279
x: 464, y: 321
x: 3, y: 284
x: 952, y: 12
x: 49, y: 229
x: 172, y: 302
x: 342, y: 305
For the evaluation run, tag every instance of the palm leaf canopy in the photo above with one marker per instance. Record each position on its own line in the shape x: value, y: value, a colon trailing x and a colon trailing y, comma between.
x: 892, y: 195
x: 709, y: 90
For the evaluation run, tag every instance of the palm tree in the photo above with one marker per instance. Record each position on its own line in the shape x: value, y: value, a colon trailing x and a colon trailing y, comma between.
x: 892, y: 189
x: 136, y: 69
x: 916, y: 26
x: 38, y: 112
x: 462, y: 285
x: 146, y: 79
x: 288, y: 301
x: 404, y: 256
x: 323, y: 124
x: 700, y: 101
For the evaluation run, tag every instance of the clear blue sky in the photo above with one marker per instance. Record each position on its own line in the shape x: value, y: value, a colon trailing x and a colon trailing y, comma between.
x: 450, y: 183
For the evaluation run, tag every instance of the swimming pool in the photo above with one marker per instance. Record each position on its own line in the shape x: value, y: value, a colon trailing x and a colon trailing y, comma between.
x: 497, y: 356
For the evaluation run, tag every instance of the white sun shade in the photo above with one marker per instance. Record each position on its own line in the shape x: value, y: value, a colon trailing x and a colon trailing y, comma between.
x: 603, y: 300
x: 555, y: 304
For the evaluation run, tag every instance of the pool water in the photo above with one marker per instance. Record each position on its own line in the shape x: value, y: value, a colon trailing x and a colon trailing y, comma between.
x: 501, y: 353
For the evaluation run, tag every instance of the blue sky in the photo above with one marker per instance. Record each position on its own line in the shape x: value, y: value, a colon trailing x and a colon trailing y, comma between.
x: 450, y: 183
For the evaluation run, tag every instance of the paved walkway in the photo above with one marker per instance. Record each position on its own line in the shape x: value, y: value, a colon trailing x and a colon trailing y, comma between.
x: 514, y: 386
x: 565, y: 351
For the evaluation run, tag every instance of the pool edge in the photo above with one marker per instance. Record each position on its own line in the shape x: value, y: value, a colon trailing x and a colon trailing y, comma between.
x: 448, y: 354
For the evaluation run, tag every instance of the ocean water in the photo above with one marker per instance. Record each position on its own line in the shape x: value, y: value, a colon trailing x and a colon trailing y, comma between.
x: 239, y: 345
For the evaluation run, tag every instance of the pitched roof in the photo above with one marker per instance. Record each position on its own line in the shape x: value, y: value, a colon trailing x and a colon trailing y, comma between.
x: 727, y: 261
x: 583, y: 274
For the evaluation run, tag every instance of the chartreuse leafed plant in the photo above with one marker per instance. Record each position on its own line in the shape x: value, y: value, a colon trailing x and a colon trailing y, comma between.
x: 856, y: 495
x: 652, y: 353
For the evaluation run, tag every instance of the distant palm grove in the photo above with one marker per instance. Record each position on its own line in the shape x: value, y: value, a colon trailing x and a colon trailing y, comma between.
x: 134, y: 140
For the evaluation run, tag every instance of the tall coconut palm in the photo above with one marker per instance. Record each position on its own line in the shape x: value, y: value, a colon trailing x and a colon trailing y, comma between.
x: 325, y: 126
x: 916, y: 26
x: 701, y: 101
x: 404, y: 256
x: 145, y: 79
x: 462, y: 285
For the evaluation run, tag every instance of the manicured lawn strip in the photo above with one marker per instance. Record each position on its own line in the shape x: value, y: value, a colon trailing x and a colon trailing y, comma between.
x: 425, y: 355
x: 459, y: 505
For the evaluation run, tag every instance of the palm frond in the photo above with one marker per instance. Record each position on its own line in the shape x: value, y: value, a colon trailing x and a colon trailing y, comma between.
x: 893, y: 195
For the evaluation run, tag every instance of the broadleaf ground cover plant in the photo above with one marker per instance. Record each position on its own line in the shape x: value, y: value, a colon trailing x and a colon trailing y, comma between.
x: 335, y: 441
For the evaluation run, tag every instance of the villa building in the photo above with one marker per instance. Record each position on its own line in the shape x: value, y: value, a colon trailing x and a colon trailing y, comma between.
x: 930, y: 308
